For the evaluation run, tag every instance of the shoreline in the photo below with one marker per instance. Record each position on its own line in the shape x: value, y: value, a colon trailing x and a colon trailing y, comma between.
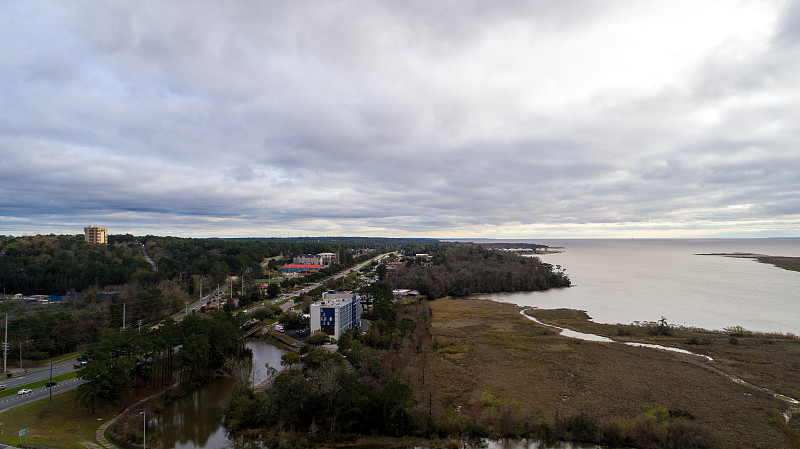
x: 788, y: 263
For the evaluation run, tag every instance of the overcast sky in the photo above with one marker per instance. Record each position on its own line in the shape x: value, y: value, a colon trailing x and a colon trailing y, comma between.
x: 529, y: 119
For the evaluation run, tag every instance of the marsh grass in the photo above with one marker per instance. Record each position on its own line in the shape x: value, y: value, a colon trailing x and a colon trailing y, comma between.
x: 550, y: 376
x: 767, y: 359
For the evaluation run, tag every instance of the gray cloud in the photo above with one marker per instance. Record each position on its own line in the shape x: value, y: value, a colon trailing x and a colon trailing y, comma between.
x: 409, y: 118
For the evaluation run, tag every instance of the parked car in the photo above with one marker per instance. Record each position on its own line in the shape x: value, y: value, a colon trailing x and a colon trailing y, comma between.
x: 25, y: 391
x: 51, y: 384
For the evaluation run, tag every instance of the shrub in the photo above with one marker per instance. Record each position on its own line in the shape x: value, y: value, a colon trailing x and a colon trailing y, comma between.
x: 661, y: 329
x: 318, y: 338
x: 736, y: 331
x: 683, y: 433
x: 698, y: 341
x: 582, y: 427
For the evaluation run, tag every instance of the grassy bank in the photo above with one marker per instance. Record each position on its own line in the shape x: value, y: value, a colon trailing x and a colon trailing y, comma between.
x: 489, y: 348
x: 59, y: 422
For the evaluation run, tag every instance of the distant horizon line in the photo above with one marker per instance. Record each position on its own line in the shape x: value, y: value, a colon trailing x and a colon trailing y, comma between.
x: 445, y: 239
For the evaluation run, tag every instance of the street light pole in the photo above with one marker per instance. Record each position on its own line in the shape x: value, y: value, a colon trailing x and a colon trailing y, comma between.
x: 5, y: 345
x: 144, y: 429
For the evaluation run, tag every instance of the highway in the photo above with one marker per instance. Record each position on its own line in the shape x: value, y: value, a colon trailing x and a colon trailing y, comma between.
x: 285, y: 306
x: 38, y: 374
x: 38, y: 393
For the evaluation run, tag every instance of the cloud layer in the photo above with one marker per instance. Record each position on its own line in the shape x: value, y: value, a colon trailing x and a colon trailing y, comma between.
x: 447, y: 119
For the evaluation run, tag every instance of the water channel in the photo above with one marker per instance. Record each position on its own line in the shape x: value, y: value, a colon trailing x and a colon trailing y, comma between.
x: 195, y: 422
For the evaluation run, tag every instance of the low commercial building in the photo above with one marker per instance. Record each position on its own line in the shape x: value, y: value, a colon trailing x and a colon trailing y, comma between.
x: 403, y: 293
x: 391, y: 266
x: 336, y: 313
x: 305, y: 259
x: 295, y: 269
x: 325, y: 259
x: 328, y: 258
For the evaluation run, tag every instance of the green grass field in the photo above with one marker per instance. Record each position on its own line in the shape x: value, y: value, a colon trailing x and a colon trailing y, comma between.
x: 60, y: 422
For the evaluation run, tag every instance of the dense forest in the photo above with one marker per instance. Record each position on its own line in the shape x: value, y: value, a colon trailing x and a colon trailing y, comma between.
x: 57, y: 264
x: 464, y: 269
x: 65, y: 263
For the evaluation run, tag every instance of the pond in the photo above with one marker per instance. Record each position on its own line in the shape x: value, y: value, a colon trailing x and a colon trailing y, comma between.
x: 195, y: 421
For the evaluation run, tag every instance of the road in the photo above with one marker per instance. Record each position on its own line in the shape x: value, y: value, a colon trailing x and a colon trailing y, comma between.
x: 191, y: 307
x: 38, y: 374
x: 285, y: 306
x: 148, y: 259
x: 39, y: 393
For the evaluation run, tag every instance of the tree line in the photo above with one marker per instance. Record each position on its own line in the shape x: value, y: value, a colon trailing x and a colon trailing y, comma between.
x: 48, y: 264
x: 66, y: 263
x: 464, y: 269
x: 121, y: 361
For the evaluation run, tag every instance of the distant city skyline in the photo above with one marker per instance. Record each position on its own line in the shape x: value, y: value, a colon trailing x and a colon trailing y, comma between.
x: 475, y: 119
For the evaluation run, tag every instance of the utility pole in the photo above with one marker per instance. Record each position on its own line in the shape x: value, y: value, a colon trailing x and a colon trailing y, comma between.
x: 140, y: 326
x: 144, y: 430
x: 123, y: 316
x: 201, y: 289
x: 5, y: 347
x: 187, y: 309
x: 51, y: 380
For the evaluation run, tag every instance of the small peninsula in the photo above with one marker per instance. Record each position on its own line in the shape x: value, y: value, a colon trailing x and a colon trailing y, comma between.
x: 787, y: 263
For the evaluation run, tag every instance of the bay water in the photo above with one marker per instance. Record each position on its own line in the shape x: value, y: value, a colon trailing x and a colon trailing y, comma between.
x: 625, y: 281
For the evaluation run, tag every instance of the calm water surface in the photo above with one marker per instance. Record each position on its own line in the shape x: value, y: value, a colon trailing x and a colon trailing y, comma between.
x: 196, y: 420
x: 623, y: 281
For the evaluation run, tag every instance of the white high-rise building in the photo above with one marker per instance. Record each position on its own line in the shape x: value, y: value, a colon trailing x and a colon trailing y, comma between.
x: 336, y: 313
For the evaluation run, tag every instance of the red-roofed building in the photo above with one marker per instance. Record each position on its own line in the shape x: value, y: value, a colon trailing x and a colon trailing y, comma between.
x: 297, y: 269
x: 394, y: 265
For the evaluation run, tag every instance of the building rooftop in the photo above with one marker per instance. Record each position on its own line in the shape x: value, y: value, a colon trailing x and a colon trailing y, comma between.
x: 335, y: 298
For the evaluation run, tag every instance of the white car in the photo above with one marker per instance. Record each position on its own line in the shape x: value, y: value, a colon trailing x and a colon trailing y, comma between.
x: 25, y: 391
